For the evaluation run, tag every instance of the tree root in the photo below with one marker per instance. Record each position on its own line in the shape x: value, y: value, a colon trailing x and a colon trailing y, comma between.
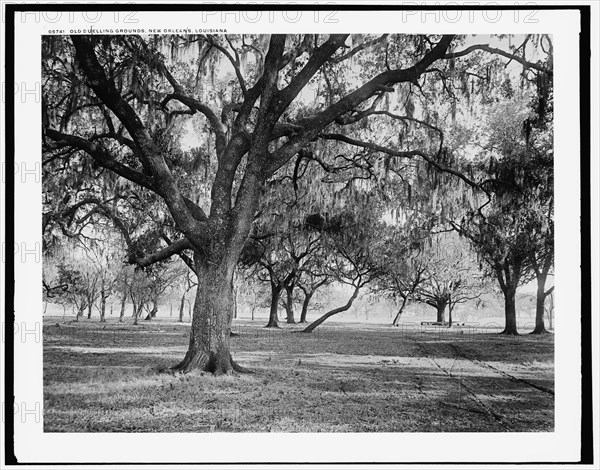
x: 543, y: 331
x: 192, y: 361
x: 240, y: 369
x: 209, y: 363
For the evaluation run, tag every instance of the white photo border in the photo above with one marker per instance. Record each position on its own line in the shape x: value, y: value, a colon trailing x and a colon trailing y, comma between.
x: 33, y: 445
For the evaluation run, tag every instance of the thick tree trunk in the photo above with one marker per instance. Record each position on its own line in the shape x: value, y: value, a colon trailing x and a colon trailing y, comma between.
x: 540, y: 327
x: 138, y: 310
x: 209, y: 348
x: 80, y: 312
x: 275, y: 293
x: 441, y: 310
x: 103, y: 303
x: 103, y: 307
x: 510, y: 311
x: 181, y: 307
x: 289, y: 304
x: 305, y: 303
x: 89, y: 314
x: 122, y: 312
x: 335, y: 311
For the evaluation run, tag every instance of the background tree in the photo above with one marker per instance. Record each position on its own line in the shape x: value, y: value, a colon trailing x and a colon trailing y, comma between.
x: 513, y: 230
x: 401, y: 276
x: 139, y: 292
x: 52, y: 290
x: 186, y: 283
x: 104, y: 260
x: 161, y: 277
x: 540, y: 194
x: 352, y: 240
x: 313, y: 277
x: 280, y: 270
x: 123, y: 286
x: 506, y: 148
x: 81, y: 291
x: 450, y: 275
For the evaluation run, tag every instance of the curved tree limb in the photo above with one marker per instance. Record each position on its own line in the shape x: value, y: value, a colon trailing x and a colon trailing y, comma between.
x: 400, y: 154
x: 102, y: 208
x: 103, y: 158
x: 108, y: 161
x: 316, y: 123
x: 493, y: 50
x: 235, y: 62
x: 195, y: 105
x: 105, y: 89
x: 179, y: 94
x: 185, y: 258
x: 117, y: 137
x: 357, y: 49
x: 164, y: 253
x: 315, y: 62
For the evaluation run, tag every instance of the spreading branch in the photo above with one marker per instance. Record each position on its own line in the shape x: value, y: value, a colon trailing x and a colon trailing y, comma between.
x: 149, y: 153
x: 162, y: 254
x: 493, y: 50
x: 316, y: 123
x: 400, y: 154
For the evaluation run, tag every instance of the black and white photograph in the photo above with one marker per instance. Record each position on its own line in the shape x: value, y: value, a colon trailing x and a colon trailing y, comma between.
x: 319, y: 230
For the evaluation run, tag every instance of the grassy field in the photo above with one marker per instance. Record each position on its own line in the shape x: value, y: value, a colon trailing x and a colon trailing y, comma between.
x: 345, y: 377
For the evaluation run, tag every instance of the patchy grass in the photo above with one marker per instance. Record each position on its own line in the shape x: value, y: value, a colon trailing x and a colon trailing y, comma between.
x: 342, y: 378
